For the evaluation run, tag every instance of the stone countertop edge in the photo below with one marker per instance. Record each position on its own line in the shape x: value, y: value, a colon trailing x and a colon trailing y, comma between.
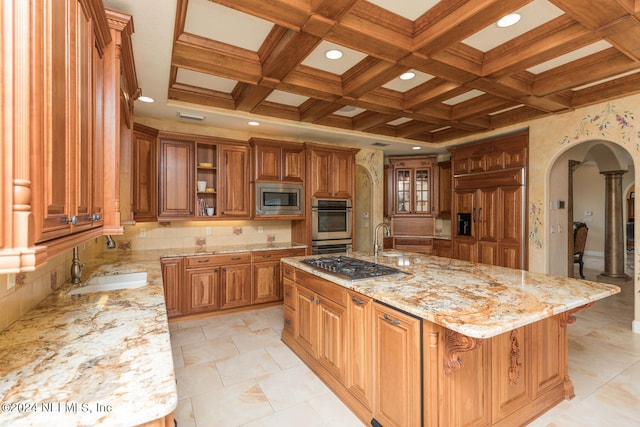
x: 100, y: 358
x: 476, y: 300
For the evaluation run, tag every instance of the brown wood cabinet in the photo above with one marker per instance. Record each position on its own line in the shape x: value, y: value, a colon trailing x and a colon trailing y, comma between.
x: 488, y: 202
x: 445, y: 184
x: 266, y: 279
x: 321, y: 322
x: 397, y: 367
x: 332, y: 171
x: 236, y: 284
x: 413, y: 183
x: 177, y: 183
x: 144, y: 174
x: 278, y: 161
x: 208, y: 282
x: 173, y: 281
x: 359, y: 380
x: 442, y: 247
x: 234, y: 200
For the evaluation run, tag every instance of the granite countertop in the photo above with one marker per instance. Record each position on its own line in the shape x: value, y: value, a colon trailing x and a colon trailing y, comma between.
x: 477, y: 300
x: 99, y: 358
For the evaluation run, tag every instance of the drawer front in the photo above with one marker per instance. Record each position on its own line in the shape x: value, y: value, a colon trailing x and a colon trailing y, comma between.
x: 202, y: 261
x: 275, y: 255
x: 288, y: 271
x: 289, y: 294
x: 289, y: 320
x: 334, y: 292
x: 415, y: 241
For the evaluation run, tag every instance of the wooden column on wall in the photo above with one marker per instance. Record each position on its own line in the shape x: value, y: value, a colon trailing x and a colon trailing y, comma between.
x: 121, y: 90
x: 21, y: 124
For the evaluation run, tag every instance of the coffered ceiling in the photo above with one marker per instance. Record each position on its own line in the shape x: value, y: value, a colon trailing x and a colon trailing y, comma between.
x: 237, y: 60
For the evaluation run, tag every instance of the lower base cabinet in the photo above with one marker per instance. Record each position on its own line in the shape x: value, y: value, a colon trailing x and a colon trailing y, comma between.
x: 207, y: 283
x: 399, y: 370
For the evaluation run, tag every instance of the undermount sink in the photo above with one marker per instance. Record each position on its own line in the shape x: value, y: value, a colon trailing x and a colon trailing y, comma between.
x: 111, y: 283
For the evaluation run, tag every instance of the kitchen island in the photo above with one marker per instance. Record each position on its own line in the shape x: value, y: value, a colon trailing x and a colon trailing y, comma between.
x: 444, y: 343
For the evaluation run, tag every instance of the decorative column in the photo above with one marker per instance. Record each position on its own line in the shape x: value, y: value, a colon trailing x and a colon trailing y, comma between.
x: 613, y: 228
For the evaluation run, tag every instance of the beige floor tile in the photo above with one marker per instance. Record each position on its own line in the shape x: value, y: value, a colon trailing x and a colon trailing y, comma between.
x: 208, y: 351
x: 254, y: 340
x: 184, y: 414
x: 197, y: 379
x: 231, y: 406
x: 284, y: 357
x: 292, y: 386
x: 181, y: 337
x: 222, y: 326
x: 333, y: 412
x: 299, y: 415
x: 246, y: 367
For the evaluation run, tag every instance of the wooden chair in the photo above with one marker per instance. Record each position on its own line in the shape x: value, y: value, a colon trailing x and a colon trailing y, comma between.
x: 580, y: 231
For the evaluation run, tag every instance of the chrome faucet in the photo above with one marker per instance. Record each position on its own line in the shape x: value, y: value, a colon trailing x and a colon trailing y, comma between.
x: 376, y: 245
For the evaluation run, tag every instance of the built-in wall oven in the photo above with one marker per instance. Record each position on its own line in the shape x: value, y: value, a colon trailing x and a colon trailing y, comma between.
x: 330, y: 225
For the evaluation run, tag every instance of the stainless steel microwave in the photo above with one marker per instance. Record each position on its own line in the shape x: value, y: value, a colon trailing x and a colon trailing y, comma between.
x: 274, y: 198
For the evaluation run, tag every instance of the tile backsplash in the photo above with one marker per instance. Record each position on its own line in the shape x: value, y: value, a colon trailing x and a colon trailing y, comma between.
x: 201, y: 235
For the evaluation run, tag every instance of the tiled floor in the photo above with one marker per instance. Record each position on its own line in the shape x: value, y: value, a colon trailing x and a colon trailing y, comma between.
x: 233, y: 370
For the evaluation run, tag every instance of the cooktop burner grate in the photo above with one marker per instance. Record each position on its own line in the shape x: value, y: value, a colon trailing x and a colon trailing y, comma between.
x: 351, y: 268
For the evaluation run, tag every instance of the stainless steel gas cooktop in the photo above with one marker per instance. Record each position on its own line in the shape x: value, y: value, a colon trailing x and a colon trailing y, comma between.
x: 351, y: 268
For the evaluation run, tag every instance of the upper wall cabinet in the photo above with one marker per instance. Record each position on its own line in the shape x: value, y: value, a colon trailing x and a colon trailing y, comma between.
x: 331, y: 171
x: 276, y: 161
x: 144, y: 174
x: 177, y: 184
x: 234, y: 177
x: 413, y: 186
x: 61, y: 129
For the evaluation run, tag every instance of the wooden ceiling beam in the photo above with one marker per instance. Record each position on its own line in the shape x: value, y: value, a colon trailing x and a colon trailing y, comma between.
x: 624, y: 86
x: 272, y: 109
x: 216, y: 58
x: 249, y: 97
x: 601, y: 65
x: 287, y: 13
x: 313, y: 109
x: 451, y: 21
x: 555, y: 38
x: 286, y: 48
x: 313, y: 83
x: 196, y: 95
x: 368, y: 75
x: 371, y: 119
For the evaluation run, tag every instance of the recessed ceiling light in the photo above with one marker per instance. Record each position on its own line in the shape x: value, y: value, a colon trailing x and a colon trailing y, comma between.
x: 508, y: 20
x: 407, y: 76
x: 145, y: 99
x: 333, y: 54
x: 252, y: 123
x: 416, y: 148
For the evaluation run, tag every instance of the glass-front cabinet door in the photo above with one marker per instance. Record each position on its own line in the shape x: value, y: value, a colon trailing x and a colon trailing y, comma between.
x: 413, y: 185
x: 403, y: 191
x: 422, y: 182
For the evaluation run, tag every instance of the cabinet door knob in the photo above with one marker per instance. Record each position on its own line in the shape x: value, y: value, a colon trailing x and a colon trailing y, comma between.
x: 318, y: 301
x: 389, y: 319
x: 288, y: 293
x: 73, y: 220
x: 311, y: 298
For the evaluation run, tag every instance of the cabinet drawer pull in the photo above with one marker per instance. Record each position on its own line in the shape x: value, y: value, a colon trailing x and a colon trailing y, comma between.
x: 203, y: 261
x: 389, y: 319
x: 288, y: 322
x: 287, y: 271
x: 357, y: 301
x: 266, y: 256
x: 236, y: 258
x: 288, y: 293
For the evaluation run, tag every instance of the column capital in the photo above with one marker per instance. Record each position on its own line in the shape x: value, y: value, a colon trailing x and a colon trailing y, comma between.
x: 614, y: 172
